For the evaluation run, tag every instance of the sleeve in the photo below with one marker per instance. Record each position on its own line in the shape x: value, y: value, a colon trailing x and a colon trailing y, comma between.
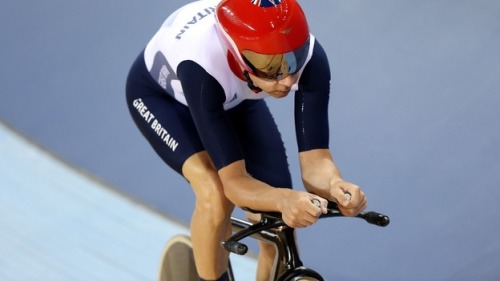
x: 205, y: 98
x: 311, y: 103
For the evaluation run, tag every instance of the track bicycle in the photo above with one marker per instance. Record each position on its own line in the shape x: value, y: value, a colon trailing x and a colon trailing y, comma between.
x: 270, y: 229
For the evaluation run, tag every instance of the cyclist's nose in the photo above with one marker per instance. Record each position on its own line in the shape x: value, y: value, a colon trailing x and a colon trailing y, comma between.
x: 289, y: 80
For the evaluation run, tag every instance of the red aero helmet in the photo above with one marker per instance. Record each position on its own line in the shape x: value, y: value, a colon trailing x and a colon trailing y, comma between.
x: 265, y: 27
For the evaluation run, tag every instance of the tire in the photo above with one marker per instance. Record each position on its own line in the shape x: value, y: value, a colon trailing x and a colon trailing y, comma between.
x: 301, y: 273
x: 177, y: 261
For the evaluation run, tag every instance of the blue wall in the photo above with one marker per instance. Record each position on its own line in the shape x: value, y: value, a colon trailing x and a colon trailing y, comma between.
x: 414, y: 113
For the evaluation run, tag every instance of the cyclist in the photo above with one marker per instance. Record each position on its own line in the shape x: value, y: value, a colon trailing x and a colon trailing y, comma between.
x: 196, y: 92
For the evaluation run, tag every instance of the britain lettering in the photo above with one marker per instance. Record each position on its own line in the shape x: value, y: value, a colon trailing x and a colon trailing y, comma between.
x: 142, y: 109
x: 199, y: 16
x: 164, y: 135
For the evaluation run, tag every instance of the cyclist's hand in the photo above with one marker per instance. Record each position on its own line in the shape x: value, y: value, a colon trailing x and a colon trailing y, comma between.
x: 350, y: 198
x: 299, y: 209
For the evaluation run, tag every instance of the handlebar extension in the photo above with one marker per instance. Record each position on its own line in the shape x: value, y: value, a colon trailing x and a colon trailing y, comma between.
x: 235, y: 247
x: 375, y: 218
x: 370, y: 217
x: 273, y: 219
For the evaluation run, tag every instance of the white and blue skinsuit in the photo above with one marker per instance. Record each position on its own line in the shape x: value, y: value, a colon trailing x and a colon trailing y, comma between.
x: 185, y: 97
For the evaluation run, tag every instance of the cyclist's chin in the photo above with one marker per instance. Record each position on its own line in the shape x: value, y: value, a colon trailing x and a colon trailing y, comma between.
x: 279, y: 94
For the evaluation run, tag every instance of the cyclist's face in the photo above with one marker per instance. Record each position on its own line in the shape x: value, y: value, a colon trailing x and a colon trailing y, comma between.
x: 275, y: 88
x: 275, y: 66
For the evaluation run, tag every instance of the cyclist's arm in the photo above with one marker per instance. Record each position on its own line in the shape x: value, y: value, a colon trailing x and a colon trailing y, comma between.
x: 245, y: 191
x: 322, y: 177
x: 319, y: 172
x: 311, y: 125
x: 205, y: 97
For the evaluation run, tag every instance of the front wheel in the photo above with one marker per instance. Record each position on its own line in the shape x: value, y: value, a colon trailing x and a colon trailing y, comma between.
x: 301, y: 273
x: 177, y: 262
x: 305, y: 279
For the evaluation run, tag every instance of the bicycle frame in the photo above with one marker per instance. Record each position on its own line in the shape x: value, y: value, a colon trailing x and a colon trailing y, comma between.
x: 271, y: 229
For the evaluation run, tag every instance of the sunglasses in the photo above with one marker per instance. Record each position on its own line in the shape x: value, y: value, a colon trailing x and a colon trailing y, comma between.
x: 277, y: 66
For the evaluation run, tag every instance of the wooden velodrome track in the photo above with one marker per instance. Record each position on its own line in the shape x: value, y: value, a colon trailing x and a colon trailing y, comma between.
x: 56, y: 223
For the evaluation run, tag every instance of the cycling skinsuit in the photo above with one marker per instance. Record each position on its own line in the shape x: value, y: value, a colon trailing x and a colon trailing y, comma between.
x: 184, y: 98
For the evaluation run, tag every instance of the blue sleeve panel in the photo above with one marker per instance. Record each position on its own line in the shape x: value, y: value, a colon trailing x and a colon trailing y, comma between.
x: 311, y: 103
x: 205, y: 97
